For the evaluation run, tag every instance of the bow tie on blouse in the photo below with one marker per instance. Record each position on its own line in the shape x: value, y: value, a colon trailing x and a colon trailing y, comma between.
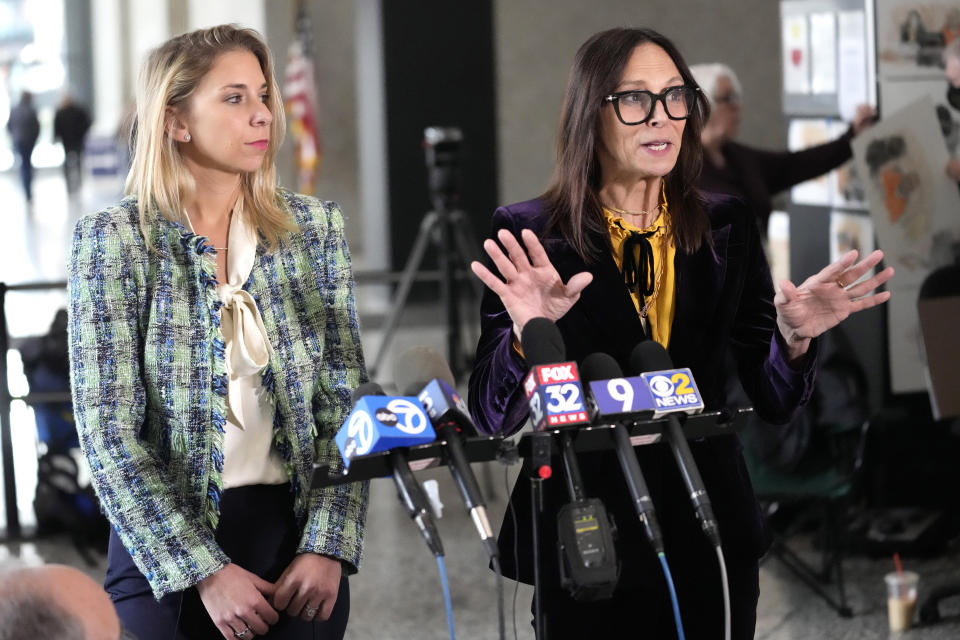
x: 247, y: 348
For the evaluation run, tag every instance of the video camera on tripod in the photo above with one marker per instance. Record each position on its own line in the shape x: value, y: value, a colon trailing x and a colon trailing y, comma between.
x: 441, y: 146
x: 445, y: 230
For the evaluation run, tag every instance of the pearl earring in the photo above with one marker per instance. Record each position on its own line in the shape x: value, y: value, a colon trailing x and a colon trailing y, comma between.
x: 186, y: 137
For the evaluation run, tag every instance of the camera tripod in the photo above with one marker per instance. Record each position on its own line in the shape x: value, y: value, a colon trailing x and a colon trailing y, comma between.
x: 446, y: 230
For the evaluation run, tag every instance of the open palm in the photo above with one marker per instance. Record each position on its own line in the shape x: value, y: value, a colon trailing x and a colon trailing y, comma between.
x: 827, y: 298
x: 531, y: 286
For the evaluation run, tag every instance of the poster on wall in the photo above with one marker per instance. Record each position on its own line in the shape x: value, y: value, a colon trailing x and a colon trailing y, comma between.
x: 848, y: 232
x: 848, y: 191
x: 895, y: 95
x: 796, y: 54
x: 778, y: 246
x: 823, y: 53
x: 853, y: 85
x: 911, y: 35
x: 802, y: 134
x: 841, y: 187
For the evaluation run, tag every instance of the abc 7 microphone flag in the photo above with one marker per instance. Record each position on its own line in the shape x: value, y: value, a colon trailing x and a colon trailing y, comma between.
x: 381, y: 423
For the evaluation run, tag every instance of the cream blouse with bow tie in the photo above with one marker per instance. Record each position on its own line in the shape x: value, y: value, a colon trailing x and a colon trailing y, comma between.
x: 248, y: 455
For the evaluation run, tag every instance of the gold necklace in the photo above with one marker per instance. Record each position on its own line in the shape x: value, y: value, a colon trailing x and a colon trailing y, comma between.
x: 624, y: 212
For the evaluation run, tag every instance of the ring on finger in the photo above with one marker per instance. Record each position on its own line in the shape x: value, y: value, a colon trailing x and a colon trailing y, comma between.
x: 310, y: 611
x: 840, y: 283
x: 242, y: 634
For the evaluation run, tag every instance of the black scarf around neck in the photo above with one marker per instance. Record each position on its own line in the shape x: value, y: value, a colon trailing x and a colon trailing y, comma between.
x: 638, y: 271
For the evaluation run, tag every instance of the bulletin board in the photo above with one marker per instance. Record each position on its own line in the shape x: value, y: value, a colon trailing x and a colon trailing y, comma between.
x: 828, y: 66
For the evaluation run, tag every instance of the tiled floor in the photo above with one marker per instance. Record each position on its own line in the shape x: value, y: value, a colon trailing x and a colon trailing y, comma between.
x: 397, y: 594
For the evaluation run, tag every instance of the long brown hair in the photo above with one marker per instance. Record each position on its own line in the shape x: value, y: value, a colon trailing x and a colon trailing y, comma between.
x: 572, y: 204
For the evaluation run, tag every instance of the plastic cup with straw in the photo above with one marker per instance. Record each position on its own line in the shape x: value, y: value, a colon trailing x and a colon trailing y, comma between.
x: 901, y: 596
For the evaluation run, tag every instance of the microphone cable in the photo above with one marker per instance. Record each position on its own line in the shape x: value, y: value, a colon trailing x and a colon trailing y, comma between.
x: 673, y: 596
x: 501, y: 621
x: 447, y: 601
x: 726, y: 592
x: 516, y: 548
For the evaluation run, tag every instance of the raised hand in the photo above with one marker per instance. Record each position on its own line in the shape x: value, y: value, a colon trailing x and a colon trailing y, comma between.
x: 864, y: 117
x: 237, y: 602
x: 827, y: 298
x: 309, y: 587
x: 531, y: 287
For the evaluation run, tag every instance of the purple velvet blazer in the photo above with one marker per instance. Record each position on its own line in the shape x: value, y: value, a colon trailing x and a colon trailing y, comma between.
x: 724, y: 301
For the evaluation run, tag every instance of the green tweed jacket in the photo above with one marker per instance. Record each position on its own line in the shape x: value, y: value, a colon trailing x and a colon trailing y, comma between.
x: 149, y: 381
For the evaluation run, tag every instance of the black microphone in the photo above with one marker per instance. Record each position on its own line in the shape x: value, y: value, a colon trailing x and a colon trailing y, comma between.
x: 423, y: 372
x: 601, y: 366
x: 588, y: 559
x: 649, y: 356
x: 408, y: 489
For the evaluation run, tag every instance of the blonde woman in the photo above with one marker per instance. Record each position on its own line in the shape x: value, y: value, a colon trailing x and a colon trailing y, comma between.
x: 214, y: 345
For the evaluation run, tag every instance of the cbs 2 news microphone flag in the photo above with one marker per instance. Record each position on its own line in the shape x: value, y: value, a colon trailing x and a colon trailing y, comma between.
x: 556, y: 397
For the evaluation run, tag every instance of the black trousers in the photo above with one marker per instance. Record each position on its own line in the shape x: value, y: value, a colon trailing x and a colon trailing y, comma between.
x: 257, y: 531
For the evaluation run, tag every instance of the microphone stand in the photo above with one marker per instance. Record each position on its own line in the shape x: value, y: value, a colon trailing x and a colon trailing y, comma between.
x: 536, y: 448
x: 540, y: 470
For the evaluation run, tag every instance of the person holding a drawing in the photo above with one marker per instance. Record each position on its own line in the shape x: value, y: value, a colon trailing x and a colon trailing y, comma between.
x: 751, y: 174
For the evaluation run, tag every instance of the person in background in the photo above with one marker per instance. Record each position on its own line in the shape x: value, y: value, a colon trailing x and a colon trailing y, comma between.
x: 56, y: 602
x: 70, y: 125
x: 24, y: 128
x: 751, y: 174
x: 951, y: 63
x: 214, y: 345
x: 624, y: 248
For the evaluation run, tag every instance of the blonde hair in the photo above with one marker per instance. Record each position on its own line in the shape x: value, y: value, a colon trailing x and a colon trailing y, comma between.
x: 158, y: 176
x: 708, y: 75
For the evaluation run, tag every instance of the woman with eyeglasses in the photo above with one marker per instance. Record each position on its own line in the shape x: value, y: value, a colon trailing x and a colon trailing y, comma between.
x: 623, y: 247
x: 214, y: 345
x: 751, y: 174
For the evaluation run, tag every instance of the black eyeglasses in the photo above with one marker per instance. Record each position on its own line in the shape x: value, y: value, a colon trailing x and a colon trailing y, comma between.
x: 636, y: 107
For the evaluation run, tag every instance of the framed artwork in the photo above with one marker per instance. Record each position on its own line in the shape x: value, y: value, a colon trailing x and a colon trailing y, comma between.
x: 911, y: 35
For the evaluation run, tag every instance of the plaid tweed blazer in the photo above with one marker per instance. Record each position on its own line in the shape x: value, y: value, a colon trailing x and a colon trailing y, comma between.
x: 149, y: 381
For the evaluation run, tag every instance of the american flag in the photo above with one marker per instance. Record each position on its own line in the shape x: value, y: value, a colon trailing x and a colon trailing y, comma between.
x: 301, y: 106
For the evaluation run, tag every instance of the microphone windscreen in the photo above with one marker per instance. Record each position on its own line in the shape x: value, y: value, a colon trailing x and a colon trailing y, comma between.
x: 649, y: 355
x: 417, y: 366
x: 542, y: 342
x: 366, y: 389
x: 599, y: 366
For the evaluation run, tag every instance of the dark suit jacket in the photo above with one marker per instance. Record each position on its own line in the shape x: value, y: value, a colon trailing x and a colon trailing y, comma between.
x: 724, y: 300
